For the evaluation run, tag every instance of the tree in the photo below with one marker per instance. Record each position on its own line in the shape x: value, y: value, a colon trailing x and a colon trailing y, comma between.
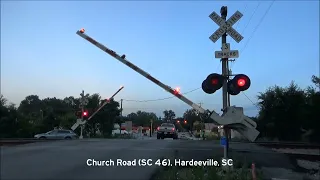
x: 287, y: 113
x: 191, y: 116
x: 106, y: 117
x: 316, y: 81
x: 37, y: 116
x: 142, y: 118
x: 169, y: 115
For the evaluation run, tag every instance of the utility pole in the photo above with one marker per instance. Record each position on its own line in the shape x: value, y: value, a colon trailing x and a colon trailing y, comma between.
x: 151, y: 122
x: 202, y: 125
x: 225, y: 27
x: 120, y: 114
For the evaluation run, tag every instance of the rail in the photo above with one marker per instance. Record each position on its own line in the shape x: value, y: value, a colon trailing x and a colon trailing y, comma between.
x: 291, y: 145
x: 20, y: 141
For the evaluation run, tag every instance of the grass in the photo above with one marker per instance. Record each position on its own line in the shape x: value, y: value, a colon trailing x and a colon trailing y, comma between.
x: 206, y: 173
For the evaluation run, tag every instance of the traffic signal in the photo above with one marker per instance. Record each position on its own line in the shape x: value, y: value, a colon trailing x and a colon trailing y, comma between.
x: 213, y: 82
x: 240, y: 82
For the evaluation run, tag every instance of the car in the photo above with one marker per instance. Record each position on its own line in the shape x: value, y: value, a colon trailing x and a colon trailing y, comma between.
x: 117, y: 131
x: 57, y: 134
x: 167, y: 130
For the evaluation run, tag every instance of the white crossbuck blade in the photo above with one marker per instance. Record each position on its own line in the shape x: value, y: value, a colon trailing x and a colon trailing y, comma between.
x: 233, y: 118
x: 226, y: 26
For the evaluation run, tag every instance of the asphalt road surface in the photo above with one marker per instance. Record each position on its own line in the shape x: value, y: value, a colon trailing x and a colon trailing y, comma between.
x: 68, y: 159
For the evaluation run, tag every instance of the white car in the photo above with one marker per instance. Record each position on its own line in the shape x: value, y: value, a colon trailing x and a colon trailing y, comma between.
x: 117, y: 131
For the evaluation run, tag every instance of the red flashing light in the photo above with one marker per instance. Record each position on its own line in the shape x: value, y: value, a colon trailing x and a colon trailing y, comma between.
x: 241, y: 82
x: 177, y: 90
x: 214, y: 81
x: 178, y: 121
x: 172, y: 129
x: 82, y: 30
x: 158, y: 128
x: 85, y: 113
x: 185, y: 121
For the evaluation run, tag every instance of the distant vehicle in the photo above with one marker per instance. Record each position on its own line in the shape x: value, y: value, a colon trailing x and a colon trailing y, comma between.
x: 57, y: 134
x: 117, y: 131
x: 167, y: 130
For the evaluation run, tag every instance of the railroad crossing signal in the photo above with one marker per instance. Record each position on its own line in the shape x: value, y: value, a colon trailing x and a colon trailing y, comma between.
x: 226, y: 52
x: 226, y: 26
x: 240, y: 82
x: 212, y: 83
x: 233, y: 117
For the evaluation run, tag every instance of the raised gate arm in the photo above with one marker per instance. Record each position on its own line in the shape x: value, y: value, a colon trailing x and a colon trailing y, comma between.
x: 215, y: 116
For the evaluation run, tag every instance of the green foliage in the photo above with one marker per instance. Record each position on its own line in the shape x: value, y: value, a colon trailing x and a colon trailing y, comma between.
x: 37, y: 116
x: 141, y: 118
x: 191, y: 116
x: 287, y: 113
x: 169, y: 115
x: 205, y: 173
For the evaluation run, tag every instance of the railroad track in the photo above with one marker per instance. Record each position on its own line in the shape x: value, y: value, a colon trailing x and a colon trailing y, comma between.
x: 20, y: 141
x: 291, y: 145
x: 295, y: 150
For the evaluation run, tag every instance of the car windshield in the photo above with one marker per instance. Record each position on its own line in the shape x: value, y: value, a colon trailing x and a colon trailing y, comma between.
x: 49, y: 132
x: 167, y: 124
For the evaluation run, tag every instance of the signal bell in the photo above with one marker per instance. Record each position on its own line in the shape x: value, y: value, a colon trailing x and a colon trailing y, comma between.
x: 213, y: 82
x: 240, y: 82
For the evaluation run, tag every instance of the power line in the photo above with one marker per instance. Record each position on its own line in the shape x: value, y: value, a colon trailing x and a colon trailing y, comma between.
x: 250, y: 100
x: 160, y: 99
x: 256, y: 28
x: 244, y: 11
x: 254, y: 12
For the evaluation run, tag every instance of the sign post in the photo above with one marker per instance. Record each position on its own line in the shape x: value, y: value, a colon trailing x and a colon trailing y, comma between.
x: 225, y: 27
x: 83, y: 102
x: 151, y: 121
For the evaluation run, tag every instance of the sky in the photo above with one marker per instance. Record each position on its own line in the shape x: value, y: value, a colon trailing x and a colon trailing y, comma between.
x: 42, y: 54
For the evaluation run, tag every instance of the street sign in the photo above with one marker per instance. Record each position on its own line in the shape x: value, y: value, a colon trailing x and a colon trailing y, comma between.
x: 227, y: 54
x: 226, y: 26
x: 225, y: 47
x: 223, y: 141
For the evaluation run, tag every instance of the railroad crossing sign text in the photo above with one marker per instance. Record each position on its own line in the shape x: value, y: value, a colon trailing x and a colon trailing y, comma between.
x: 227, y: 54
x: 226, y: 26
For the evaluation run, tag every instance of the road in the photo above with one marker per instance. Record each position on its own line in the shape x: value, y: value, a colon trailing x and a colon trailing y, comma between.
x: 67, y: 159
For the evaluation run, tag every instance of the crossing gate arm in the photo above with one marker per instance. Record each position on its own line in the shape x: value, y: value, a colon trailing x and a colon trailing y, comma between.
x: 105, y: 103
x: 81, y: 122
x: 215, y: 116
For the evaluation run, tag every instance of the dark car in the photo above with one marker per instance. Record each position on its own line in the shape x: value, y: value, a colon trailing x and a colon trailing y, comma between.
x: 57, y: 134
x: 167, y: 130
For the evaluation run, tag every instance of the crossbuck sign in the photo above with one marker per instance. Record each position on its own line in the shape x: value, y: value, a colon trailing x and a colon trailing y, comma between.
x: 226, y: 26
